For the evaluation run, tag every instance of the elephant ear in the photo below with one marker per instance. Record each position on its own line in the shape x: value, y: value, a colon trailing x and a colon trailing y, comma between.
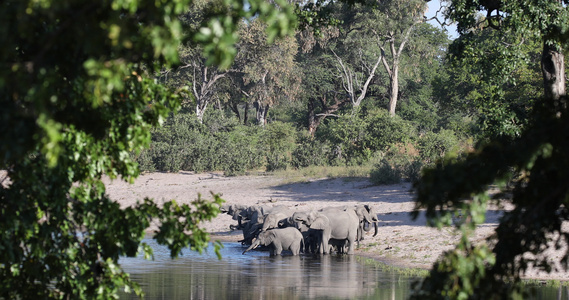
x: 320, y: 223
x: 363, y: 214
x: 373, y: 213
x: 269, y: 237
x: 367, y: 216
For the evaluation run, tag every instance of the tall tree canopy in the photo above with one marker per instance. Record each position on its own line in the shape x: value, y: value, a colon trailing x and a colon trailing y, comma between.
x: 78, y: 95
x: 531, y: 169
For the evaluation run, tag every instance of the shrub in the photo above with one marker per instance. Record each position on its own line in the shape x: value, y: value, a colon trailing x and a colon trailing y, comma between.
x: 181, y: 144
x: 433, y: 146
x: 241, y: 150
x: 345, y: 135
x: 309, y: 152
x: 145, y: 163
x: 384, y: 130
x: 354, y: 138
x: 279, y: 141
x: 385, y: 173
x: 400, y: 162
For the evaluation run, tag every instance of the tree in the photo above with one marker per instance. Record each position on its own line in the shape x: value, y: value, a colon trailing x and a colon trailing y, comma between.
x: 392, y: 27
x: 321, y: 88
x: 267, y: 71
x: 203, y: 80
x: 531, y: 169
x: 356, y: 59
x: 79, y: 95
x: 498, y: 99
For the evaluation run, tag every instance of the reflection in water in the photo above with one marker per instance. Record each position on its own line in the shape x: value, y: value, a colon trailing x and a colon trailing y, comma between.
x: 258, y: 276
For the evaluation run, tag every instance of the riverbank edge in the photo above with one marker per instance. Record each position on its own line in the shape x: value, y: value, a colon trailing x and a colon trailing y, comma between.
x: 400, y: 266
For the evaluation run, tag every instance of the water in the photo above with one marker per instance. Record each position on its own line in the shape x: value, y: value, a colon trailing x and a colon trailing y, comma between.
x: 256, y: 275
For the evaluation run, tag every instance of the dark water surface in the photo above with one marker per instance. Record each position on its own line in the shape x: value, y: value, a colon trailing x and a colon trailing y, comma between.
x: 256, y: 275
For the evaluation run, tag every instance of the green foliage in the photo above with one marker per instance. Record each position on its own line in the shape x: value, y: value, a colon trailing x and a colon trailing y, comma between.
x: 219, y: 35
x: 78, y: 97
x: 397, y: 164
x: 494, y: 78
x: 345, y: 135
x: 279, y: 140
x: 539, y: 198
x: 183, y: 143
x: 469, y: 282
x: 384, y: 131
x: 310, y: 152
x: 241, y: 150
x: 433, y: 146
x: 385, y: 173
x: 354, y: 138
x: 530, y: 166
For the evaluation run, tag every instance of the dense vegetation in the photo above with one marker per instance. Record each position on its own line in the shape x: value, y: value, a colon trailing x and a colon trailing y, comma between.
x: 258, y: 85
x: 319, y: 100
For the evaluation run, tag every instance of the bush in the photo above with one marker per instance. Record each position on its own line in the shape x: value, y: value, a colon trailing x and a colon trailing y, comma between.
x: 240, y: 150
x: 309, y: 152
x: 384, y: 130
x: 345, y: 135
x: 181, y: 144
x: 145, y: 163
x: 354, y: 138
x: 399, y: 163
x: 279, y: 141
x: 433, y: 146
x: 385, y: 173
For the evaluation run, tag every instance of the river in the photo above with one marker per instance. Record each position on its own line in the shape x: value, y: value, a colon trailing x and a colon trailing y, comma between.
x: 256, y: 275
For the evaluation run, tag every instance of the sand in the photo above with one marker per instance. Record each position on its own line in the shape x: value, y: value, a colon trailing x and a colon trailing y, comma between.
x: 401, y: 241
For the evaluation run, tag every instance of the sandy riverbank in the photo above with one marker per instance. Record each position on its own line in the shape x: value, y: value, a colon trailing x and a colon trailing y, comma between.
x: 401, y: 241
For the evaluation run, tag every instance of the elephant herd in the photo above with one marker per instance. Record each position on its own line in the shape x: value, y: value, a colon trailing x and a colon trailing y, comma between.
x: 321, y: 231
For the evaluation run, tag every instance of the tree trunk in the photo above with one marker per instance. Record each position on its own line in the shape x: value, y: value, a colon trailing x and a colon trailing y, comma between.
x: 262, y: 113
x: 311, y: 118
x: 246, y: 114
x: 200, y: 110
x: 393, y: 89
x: 553, y: 69
x: 235, y: 109
x: 314, y: 120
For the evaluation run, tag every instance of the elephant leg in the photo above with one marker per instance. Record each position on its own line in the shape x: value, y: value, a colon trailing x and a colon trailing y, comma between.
x: 351, y: 243
x: 278, y: 249
x: 295, y: 248
x: 325, y: 246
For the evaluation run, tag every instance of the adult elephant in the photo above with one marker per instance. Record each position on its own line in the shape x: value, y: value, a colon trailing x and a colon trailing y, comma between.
x: 253, y: 221
x: 334, y: 223
x: 279, y: 239
x: 366, y: 216
x: 235, y: 211
x: 276, y: 218
x: 375, y: 220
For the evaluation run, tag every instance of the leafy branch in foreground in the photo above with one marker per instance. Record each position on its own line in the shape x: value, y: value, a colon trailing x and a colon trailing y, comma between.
x: 531, y: 169
x: 537, y: 166
x: 79, y: 96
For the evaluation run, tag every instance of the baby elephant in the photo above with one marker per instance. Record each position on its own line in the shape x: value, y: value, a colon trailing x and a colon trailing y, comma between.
x: 279, y: 239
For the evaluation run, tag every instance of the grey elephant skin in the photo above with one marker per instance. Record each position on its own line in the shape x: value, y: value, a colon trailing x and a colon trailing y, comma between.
x: 279, y: 239
x: 332, y: 223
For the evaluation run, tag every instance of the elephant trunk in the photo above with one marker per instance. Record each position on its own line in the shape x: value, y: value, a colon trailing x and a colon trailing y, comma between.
x: 253, y: 246
x: 375, y: 225
x: 366, y: 226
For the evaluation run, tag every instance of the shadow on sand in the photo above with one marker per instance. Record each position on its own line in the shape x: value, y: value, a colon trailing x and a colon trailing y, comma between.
x: 359, y: 189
